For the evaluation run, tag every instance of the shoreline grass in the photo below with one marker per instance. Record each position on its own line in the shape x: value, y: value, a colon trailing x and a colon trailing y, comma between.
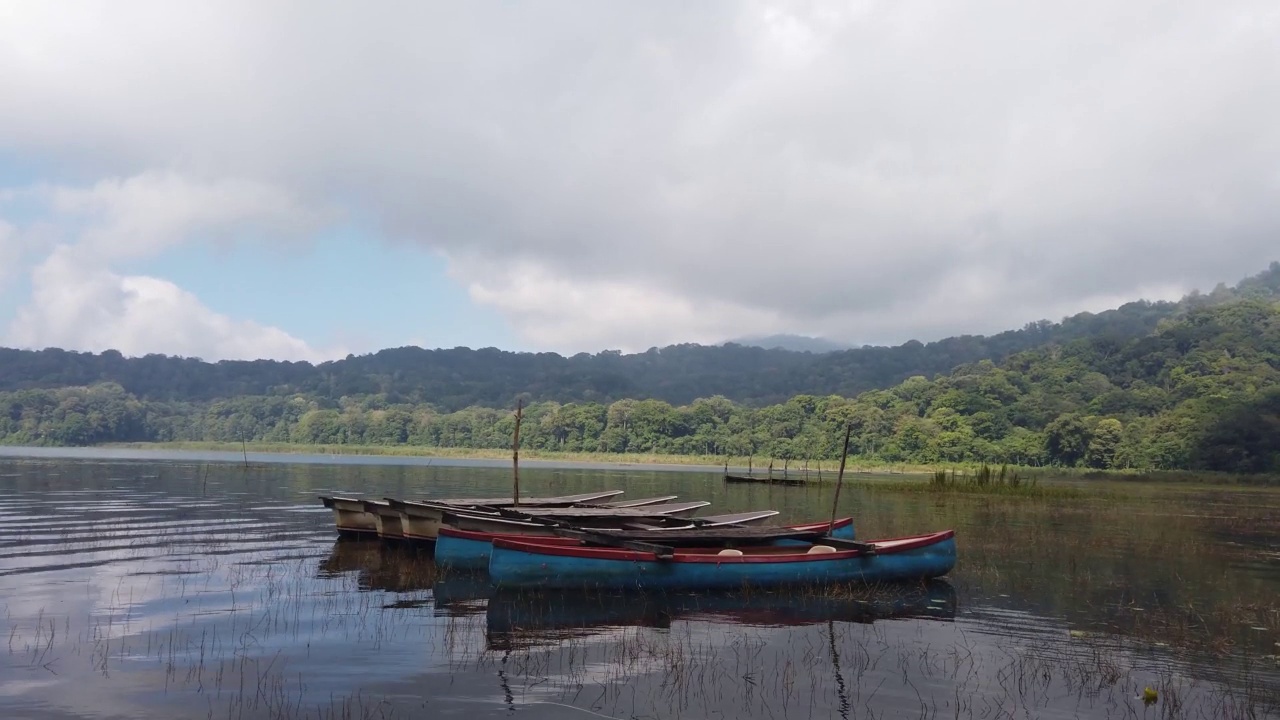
x: 856, y: 470
x: 713, y: 462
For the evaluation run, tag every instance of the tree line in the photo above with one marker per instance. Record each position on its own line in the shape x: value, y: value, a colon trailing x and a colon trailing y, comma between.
x: 458, y: 378
x: 1200, y: 392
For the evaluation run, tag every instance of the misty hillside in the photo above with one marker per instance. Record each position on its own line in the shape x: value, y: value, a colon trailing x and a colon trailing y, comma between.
x: 796, y: 343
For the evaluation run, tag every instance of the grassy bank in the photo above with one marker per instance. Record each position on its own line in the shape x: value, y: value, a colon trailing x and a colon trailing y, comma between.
x: 907, y: 477
x: 793, y: 469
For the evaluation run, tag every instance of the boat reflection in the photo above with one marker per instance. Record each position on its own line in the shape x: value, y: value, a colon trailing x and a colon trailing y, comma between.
x: 379, y: 566
x: 521, y: 620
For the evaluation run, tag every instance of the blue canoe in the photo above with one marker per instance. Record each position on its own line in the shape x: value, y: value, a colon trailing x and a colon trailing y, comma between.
x: 528, y: 564
x: 469, y: 550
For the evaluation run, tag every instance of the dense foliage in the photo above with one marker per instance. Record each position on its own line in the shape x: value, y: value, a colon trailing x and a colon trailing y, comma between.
x: 1201, y: 392
x: 461, y: 377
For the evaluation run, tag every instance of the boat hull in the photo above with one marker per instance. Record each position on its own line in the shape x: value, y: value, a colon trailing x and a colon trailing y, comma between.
x: 517, y: 564
x: 386, y: 519
x: 422, y: 520
x: 469, y: 550
x: 350, y: 517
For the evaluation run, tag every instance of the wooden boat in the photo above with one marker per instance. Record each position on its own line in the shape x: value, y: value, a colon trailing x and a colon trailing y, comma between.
x: 496, y: 511
x: 661, y: 499
x: 420, y: 519
x: 461, y: 549
x: 390, y: 520
x: 350, y: 516
x: 543, y: 522
x: 591, y: 514
x: 764, y: 480
x: 529, y: 563
x: 499, y: 525
x: 386, y: 519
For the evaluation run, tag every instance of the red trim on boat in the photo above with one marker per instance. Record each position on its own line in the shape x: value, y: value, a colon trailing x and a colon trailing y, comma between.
x: 896, y: 545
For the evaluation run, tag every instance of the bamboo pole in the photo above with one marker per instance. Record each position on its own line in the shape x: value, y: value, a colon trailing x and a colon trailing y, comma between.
x: 515, y: 455
x: 844, y: 454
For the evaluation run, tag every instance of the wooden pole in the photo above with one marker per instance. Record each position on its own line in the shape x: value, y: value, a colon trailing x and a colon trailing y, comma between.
x: 515, y: 455
x: 844, y: 454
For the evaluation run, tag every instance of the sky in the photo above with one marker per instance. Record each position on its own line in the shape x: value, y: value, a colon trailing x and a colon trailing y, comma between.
x: 305, y: 180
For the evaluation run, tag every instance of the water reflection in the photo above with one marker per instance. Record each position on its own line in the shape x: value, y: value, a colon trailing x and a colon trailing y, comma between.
x: 523, y: 620
x: 158, y: 590
x: 386, y: 567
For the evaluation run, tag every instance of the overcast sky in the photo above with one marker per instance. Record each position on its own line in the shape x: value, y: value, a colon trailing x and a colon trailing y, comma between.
x: 303, y: 180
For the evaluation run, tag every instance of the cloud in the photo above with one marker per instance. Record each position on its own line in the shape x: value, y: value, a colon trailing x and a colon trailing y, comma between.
x: 77, y: 303
x: 621, y: 176
x: 140, y: 216
x: 10, y: 252
x: 602, y: 314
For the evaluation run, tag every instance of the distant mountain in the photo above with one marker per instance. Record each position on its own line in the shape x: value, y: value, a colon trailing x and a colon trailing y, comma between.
x: 795, y: 343
x: 488, y: 377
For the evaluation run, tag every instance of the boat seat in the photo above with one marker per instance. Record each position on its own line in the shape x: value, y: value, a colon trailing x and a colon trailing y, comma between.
x: 730, y: 552
x: 820, y: 550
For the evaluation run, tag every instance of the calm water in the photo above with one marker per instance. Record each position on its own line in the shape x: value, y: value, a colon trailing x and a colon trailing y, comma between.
x: 186, y: 589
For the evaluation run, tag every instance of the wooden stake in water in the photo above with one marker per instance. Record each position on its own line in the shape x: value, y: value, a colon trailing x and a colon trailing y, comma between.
x: 844, y: 454
x: 515, y: 455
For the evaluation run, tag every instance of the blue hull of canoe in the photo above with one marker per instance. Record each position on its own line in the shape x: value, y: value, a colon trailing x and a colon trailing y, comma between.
x: 473, y: 555
x: 511, y: 568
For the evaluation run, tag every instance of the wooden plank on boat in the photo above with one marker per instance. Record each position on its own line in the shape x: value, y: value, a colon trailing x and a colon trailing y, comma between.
x: 662, y: 552
x: 649, y: 511
x: 868, y: 548
x: 689, y: 537
x: 638, y: 503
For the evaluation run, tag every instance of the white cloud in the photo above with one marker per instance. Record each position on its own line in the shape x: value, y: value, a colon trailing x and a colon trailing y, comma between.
x: 627, y: 175
x: 10, y: 252
x: 77, y: 303
x: 570, y: 314
x: 145, y: 214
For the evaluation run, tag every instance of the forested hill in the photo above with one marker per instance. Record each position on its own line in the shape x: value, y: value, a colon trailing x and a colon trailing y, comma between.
x: 458, y: 378
x: 1202, y: 392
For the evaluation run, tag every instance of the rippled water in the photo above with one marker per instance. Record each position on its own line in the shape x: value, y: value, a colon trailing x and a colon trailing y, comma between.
x: 186, y: 589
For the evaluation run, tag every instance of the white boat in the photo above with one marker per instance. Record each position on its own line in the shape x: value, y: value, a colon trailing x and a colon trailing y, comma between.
x: 350, y: 516
x: 386, y: 519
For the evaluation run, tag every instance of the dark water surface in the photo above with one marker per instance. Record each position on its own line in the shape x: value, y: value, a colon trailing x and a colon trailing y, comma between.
x: 185, y: 589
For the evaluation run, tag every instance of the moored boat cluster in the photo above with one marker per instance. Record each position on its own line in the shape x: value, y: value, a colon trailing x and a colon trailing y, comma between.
x: 593, y: 540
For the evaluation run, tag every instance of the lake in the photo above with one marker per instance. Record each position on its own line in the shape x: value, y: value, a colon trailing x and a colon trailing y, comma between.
x: 191, y: 588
